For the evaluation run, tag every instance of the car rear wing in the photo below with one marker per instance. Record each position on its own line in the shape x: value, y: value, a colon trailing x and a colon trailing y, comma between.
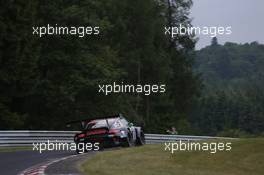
x: 84, y: 121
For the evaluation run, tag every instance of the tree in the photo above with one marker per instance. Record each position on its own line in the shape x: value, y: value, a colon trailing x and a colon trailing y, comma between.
x: 231, y: 100
x: 214, y: 42
x: 57, y: 76
x: 18, y: 58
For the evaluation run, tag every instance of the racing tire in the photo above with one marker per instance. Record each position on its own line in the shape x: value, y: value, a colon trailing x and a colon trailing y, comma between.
x: 127, y: 142
x: 101, y: 147
x: 79, y: 151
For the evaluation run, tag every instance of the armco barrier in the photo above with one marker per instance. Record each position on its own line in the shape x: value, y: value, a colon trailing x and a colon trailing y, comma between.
x: 26, y: 138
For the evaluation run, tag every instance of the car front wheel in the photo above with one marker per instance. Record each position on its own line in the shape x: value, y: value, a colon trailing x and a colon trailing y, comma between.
x: 127, y: 142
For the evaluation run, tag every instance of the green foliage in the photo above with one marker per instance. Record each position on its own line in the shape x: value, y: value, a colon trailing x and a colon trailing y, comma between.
x: 48, y: 81
x: 18, y: 61
x: 231, y: 65
x: 233, y: 98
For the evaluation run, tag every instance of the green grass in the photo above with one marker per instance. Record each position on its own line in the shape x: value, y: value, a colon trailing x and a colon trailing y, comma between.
x: 13, y: 149
x: 245, y: 158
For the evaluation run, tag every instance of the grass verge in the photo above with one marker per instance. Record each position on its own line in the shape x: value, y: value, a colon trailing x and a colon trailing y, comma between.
x: 245, y: 158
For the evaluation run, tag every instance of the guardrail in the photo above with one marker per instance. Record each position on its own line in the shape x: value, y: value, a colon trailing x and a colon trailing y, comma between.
x: 26, y: 138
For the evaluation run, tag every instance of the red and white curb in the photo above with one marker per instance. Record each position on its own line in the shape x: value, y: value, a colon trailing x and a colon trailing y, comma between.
x: 40, y: 168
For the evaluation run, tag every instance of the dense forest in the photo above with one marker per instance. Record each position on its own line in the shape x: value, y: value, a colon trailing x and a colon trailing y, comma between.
x: 50, y: 80
x: 233, y: 98
x: 47, y: 81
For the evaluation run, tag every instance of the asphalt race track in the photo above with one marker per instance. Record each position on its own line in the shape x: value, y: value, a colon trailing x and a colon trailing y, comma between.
x: 12, y: 163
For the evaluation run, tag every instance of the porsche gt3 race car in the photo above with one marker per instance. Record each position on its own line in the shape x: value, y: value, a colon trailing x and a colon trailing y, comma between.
x: 109, y: 131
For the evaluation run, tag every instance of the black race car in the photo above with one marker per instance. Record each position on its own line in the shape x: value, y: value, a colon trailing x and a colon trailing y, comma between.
x: 109, y: 131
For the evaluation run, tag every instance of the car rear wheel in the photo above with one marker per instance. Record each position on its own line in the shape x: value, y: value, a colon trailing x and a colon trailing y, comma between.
x: 79, y: 150
x: 101, y: 147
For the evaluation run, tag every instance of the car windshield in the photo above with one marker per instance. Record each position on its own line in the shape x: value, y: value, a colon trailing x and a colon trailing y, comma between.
x: 100, y: 123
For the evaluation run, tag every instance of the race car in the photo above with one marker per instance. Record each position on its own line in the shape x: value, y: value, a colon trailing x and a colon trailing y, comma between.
x: 109, y: 131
